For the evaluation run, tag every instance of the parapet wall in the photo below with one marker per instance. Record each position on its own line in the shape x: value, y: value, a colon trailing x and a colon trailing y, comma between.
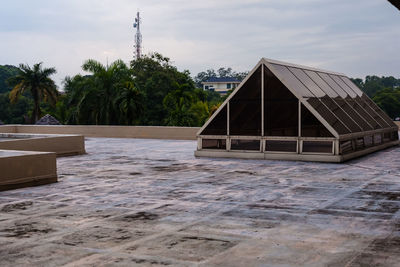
x: 62, y: 145
x: 8, y: 128
x: 151, y: 132
x: 26, y: 168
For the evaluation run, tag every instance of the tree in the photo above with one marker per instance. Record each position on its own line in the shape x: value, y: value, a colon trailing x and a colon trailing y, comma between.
x: 204, y: 76
x: 6, y: 72
x: 74, y: 89
x: 359, y: 82
x: 36, y: 80
x: 225, y: 72
x: 106, y: 96
x: 103, y: 87
x: 156, y: 78
x: 373, y: 84
x: 130, y: 103
x: 177, y: 104
x: 14, y: 113
x: 388, y: 99
x: 151, y: 92
x: 201, y: 112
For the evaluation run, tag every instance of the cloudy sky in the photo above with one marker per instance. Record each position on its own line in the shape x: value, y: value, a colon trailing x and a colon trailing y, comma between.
x: 357, y: 37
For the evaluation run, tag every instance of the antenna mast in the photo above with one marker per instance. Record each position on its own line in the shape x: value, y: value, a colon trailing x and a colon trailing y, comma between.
x: 138, y: 37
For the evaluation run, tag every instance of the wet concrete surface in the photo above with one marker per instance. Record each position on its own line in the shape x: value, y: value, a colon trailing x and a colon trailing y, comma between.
x: 133, y: 202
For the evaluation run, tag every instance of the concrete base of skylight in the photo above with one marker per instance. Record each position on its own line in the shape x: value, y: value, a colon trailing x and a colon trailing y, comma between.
x: 315, y: 157
x: 267, y: 156
x: 369, y: 150
x: 26, y: 168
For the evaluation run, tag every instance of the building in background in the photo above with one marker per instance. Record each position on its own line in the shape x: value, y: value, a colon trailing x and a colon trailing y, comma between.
x: 220, y: 85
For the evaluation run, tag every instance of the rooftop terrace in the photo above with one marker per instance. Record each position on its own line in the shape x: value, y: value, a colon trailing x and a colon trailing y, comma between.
x: 150, y: 202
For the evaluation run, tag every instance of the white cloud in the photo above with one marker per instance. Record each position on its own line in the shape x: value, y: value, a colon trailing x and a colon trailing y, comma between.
x: 356, y: 37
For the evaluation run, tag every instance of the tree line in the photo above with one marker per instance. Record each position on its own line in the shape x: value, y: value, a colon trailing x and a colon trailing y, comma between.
x: 384, y: 91
x: 148, y: 91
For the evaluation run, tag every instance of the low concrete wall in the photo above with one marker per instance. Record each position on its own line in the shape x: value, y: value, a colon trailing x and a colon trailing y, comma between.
x: 62, y: 145
x: 23, y: 168
x: 8, y: 128
x: 151, y: 132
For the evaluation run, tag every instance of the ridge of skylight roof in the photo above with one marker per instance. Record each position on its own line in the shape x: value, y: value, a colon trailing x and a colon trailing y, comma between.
x: 273, y: 61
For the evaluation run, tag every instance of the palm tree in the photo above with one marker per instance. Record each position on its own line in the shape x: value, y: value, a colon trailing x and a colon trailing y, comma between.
x: 105, y: 82
x: 130, y: 103
x: 177, y: 103
x: 36, y: 80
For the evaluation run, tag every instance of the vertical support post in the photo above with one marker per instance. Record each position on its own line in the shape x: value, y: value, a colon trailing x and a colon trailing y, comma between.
x: 263, y: 145
x: 337, y: 152
x: 262, y: 99
x: 228, y: 139
x: 299, y: 120
x: 227, y: 119
x: 299, y: 144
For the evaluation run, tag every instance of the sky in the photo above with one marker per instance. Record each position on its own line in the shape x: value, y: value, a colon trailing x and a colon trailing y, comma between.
x: 358, y: 37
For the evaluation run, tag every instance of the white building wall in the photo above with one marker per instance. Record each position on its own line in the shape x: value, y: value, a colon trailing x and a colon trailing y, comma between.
x: 219, y: 86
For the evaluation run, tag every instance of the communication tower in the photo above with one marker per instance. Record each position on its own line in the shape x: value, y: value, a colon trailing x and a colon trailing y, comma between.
x: 138, y: 36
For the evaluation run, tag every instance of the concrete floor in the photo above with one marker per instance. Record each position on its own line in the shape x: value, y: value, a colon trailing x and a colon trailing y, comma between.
x: 150, y: 202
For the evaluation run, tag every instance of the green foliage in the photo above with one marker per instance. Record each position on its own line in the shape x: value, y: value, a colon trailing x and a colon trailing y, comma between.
x: 107, y: 96
x: 74, y: 91
x: 130, y: 103
x: 157, y: 78
x: 389, y: 100
x: 177, y: 103
x: 14, y: 113
x: 359, y: 82
x: 6, y: 72
x: 150, y: 92
x: 204, y: 76
x: 201, y: 112
x: 384, y: 91
x: 373, y: 84
x: 58, y: 111
x: 37, y: 81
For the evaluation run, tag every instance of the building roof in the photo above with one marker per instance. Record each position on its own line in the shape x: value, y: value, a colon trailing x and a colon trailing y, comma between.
x: 222, y: 80
x: 331, y: 97
x: 396, y: 3
x: 311, y: 85
x: 48, y: 120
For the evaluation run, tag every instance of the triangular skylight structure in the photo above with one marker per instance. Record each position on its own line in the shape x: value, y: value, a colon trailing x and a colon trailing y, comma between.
x: 287, y: 111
